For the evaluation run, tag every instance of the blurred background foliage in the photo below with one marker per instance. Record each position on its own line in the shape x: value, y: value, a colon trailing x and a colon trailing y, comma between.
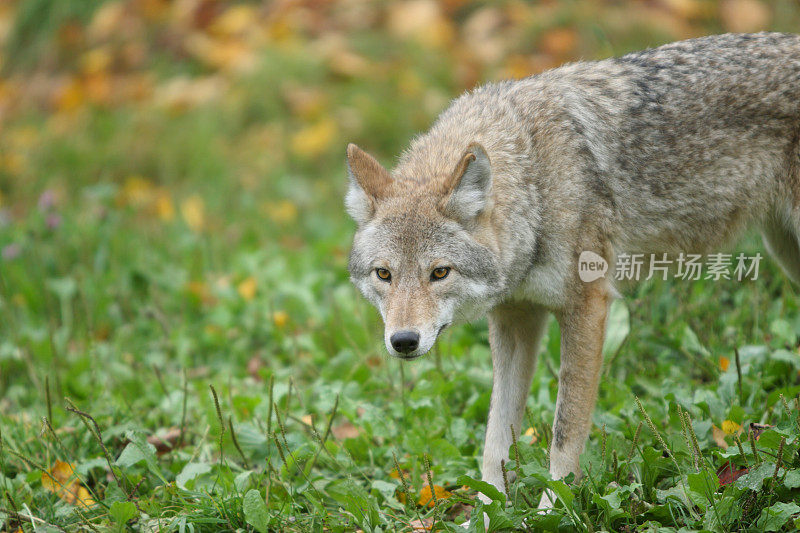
x: 171, y: 181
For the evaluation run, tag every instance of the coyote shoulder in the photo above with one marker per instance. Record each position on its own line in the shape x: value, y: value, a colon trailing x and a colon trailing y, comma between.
x: 669, y: 150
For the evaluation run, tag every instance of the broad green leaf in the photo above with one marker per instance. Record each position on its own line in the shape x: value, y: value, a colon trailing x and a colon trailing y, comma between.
x: 355, y: 500
x: 563, y: 492
x: 792, y: 479
x: 121, y: 512
x: 775, y: 517
x: 138, y: 449
x: 498, y: 517
x: 255, y: 510
x: 756, y: 476
x: 724, y: 513
x: 386, y: 489
x: 482, y: 486
x: 190, y: 472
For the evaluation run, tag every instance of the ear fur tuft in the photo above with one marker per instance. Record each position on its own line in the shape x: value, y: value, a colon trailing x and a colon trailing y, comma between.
x: 469, y: 185
x: 369, y: 182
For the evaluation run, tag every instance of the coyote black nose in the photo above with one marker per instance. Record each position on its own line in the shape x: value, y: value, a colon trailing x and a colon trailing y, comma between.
x: 405, y: 341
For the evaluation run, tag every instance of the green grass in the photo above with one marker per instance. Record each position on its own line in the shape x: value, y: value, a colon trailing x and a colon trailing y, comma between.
x: 116, y: 320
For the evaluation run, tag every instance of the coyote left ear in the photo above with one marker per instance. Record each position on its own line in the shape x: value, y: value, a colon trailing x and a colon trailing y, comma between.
x: 369, y: 182
x: 469, y: 185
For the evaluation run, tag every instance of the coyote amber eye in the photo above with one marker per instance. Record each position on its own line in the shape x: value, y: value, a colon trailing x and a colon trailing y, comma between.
x: 383, y: 274
x: 439, y: 273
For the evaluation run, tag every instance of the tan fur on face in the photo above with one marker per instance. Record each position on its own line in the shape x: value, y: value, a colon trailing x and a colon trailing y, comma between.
x: 409, y: 305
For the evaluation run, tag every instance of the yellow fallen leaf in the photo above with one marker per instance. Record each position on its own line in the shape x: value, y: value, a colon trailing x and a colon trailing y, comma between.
x: 282, y: 212
x: 70, y: 97
x: 313, y: 140
x: 164, y: 208
x: 193, y: 211
x: 96, y: 60
x: 83, y: 497
x: 724, y: 363
x: 57, y: 476
x: 235, y: 20
x: 730, y: 427
x: 280, y: 318
x: 137, y: 191
x: 61, y: 480
x: 247, y: 288
x: 532, y: 433
x: 426, y: 498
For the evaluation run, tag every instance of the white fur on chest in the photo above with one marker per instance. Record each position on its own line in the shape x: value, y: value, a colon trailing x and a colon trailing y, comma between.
x: 545, y: 285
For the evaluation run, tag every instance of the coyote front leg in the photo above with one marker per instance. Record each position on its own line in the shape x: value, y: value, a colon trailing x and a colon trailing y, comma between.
x: 514, y: 333
x: 582, y: 332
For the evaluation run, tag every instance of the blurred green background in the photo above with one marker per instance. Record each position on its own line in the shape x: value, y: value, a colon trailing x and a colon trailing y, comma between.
x: 171, y: 182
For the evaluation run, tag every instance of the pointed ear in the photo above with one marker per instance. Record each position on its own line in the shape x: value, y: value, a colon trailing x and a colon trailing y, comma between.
x: 467, y: 189
x: 369, y: 182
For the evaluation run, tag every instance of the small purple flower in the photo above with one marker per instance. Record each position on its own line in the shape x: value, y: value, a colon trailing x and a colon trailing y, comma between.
x: 11, y: 251
x: 53, y: 220
x: 47, y: 200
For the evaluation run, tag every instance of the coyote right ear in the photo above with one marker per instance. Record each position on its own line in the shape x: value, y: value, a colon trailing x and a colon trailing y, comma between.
x: 467, y: 189
x: 369, y: 182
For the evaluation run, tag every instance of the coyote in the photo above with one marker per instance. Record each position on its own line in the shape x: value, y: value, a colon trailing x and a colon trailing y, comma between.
x: 668, y: 150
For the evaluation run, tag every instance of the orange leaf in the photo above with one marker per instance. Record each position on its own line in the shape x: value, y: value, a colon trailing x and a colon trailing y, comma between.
x: 61, y: 481
x: 426, y: 498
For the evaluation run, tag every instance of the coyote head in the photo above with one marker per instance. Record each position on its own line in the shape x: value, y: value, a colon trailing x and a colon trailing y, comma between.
x: 418, y: 254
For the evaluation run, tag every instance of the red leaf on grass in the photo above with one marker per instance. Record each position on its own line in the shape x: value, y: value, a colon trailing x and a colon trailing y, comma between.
x: 727, y: 473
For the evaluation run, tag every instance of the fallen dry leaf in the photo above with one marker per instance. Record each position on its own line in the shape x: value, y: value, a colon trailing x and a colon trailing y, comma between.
x: 719, y: 437
x: 727, y: 473
x: 745, y: 16
x: 532, y: 433
x: 730, y: 427
x: 421, y: 524
x: 61, y: 480
x: 280, y: 318
x: 193, y: 211
x: 345, y: 431
x: 426, y: 498
x: 313, y: 140
x: 166, y: 440
x: 254, y: 365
